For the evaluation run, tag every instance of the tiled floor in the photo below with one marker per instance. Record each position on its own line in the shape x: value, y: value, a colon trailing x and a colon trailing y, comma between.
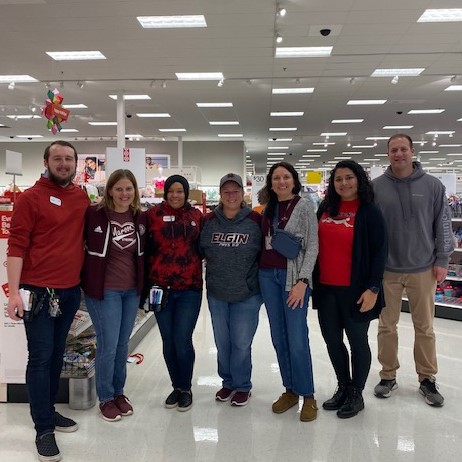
x: 401, y: 428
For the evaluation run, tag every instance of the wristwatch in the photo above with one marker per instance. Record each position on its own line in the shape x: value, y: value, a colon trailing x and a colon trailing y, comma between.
x: 374, y: 289
x: 304, y: 280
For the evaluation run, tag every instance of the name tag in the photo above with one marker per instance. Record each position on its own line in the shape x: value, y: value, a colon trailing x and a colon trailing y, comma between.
x: 55, y: 200
x: 169, y: 218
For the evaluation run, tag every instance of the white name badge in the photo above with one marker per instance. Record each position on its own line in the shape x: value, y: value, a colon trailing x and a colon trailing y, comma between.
x: 55, y: 200
x: 169, y: 218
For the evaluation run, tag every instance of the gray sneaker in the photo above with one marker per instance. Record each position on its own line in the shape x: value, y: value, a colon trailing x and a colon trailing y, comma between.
x: 430, y: 392
x: 384, y: 388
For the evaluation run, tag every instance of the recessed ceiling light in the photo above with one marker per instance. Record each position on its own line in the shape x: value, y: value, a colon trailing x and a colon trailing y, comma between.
x: 68, y: 130
x: 278, y: 147
x: 426, y: 111
x: 454, y: 154
x: 23, y: 116
x: 75, y: 106
x: 324, y: 144
x: 303, y: 52
x: 16, y: 78
x: 288, y: 91
x: 316, y: 150
x: 437, y: 158
x: 230, y: 135
x: 333, y: 134
x: 153, y: 115
x: 454, y: 88
x: 171, y: 22
x: 397, y: 127
x: 351, y: 152
x: 428, y: 152
x: 403, y: 72
x: 75, y: 55
x: 354, y: 102
x: 29, y: 136
x: 132, y: 97
x: 275, y: 153
x: 199, y: 75
x: 282, y: 129
x: 172, y: 129
x: 364, y: 146
x: 441, y: 15
x: 224, y: 122
x: 214, y: 104
x: 286, y: 114
x: 314, y: 155
x: 377, y: 138
x: 449, y: 145
x: 440, y: 132
x: 342, y: 158
x: 103, y: 123
x: 347, y: 121
x: 381, y: 155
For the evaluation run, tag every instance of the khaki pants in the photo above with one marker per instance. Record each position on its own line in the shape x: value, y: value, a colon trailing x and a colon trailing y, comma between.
x: 420, y: 291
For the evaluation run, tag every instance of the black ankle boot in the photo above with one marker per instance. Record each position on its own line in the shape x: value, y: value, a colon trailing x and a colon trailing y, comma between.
x: 336, y: 402
x: 353, y: 404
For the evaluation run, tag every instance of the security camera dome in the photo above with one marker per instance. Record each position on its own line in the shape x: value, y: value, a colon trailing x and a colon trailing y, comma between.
x: 325, y: 32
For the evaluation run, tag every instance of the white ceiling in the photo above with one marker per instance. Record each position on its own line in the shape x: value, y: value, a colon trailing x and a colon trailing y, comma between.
x: 240, y: 42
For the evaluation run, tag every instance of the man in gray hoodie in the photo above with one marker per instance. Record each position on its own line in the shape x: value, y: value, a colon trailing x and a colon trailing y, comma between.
x: 418, y: 220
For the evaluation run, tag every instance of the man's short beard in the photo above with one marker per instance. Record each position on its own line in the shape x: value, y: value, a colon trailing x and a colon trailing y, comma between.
x: 60, y: 181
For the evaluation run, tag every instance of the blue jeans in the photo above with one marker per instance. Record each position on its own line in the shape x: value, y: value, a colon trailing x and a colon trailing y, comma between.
x: 289, y: 332
x: 176, y: 325
x: 46, y: 340
x: 234, y: 326
x: 113, y: 319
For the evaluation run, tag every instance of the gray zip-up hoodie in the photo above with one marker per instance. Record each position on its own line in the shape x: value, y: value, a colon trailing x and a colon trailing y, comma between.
x: 418, y: 220
x: 231, y: 248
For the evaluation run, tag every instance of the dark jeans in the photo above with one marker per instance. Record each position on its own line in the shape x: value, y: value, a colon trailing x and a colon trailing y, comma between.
x: 46, y: 340
x: 176, y: 325
x: 334, y: 316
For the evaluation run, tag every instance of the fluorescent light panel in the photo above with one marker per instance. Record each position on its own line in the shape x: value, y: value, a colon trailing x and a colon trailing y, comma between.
x: 397, y: 127
x: 426, y: 111
x: 441, y: 15
x: 68, y: 130
x: 199, y: 75
x: 403, y: 72
x: 279, y: 139
x: 357, y: 102
x: 440, y: 132
x: 224, y: 122
x: 288, y: 91
x: 29, y: 136
x: 172, y: 22
x: 282, y: 129
x: 333, y: 134
x: 75, y: 106
x: 75, y: 55
x: 278, y: 147
x: 449, y: 145
x: 286, y: 114
x: 167, y: 130
x: 23, y: 116
x: 214, y: 104
x: 347, y: 121
x: 230, y: 135
x: 103, y: 123
x: 303, y: 52
x: 132, y: 97
x: 16, y: 78
x: 153, y: 115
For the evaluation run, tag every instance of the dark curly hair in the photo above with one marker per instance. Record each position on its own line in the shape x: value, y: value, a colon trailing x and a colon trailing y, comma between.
x: 273, y: 198
x: 331, y: 202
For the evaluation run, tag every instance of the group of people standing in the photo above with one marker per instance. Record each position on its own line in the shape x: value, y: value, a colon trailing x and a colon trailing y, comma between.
x: 367, y: 243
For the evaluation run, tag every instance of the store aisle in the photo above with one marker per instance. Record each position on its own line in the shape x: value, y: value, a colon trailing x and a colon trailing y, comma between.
x: 401, y: 428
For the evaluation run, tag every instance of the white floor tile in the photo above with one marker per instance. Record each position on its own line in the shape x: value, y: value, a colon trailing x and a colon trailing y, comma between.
x: 401, y: 428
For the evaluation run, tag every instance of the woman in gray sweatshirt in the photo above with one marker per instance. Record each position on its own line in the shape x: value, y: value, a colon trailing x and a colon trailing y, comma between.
x: 231, y: 242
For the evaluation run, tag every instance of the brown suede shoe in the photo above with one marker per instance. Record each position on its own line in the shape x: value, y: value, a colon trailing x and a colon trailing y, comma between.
x: 309, y: 410
x: 285, y: 402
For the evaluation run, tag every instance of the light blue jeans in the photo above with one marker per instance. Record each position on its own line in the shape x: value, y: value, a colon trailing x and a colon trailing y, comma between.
x: 289, y: 332
x: 113, y: 319
x: 234, y: 326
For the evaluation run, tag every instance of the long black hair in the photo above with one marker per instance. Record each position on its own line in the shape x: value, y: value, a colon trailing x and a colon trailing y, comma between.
x: 273, y: 198
x: 331, y: 202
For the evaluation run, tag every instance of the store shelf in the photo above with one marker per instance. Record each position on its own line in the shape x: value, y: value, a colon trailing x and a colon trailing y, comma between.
x: 454, y: 278
x: 446, y: 309
x: 458, y: 249
x: 82, y: 322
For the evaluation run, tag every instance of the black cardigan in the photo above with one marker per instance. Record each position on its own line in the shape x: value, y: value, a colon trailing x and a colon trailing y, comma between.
x: 370, y: 251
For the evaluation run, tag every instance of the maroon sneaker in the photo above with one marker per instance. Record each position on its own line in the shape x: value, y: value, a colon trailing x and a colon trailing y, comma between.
x: 240, y: 398
x: 124, y: 404
x: 110, y: 412
x: 225, y: 394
